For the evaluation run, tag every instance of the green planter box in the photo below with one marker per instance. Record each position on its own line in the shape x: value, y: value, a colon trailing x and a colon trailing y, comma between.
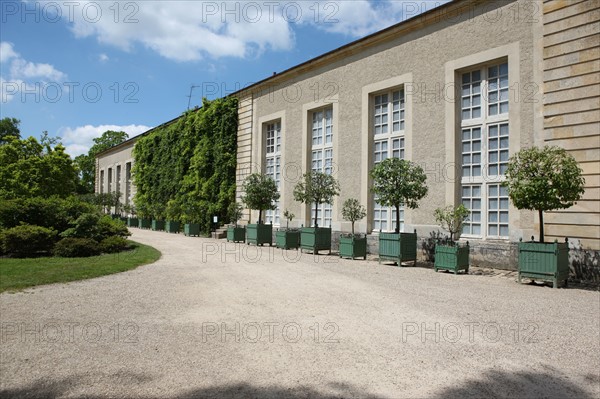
x: 236, y: 234
x: 353, y: 247
x: 158, y: 225
x: 144, y: 223
x: 123, y: 219
x: 399, y: 247
x: 454, y: 258
x: 133, y: 222
x: 544, y: 261
x: 315, y: 239
x: 287, y: 239
x: 259, y: 234
x: 191, y: 229
x: 172, y: 226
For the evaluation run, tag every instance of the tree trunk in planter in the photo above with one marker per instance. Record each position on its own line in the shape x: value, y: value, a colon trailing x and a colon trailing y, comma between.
x: 315, y: 239
x: 287, y: 239
x: 236, y: 234
x: 353, y: 247
x: 452, y: 257
x: 133, y: 222
x: 399, y: 247
x: 172, y: 226
x: 158, y: 225
x: 259, y: 234
x: 544, y: 261
x: 145, y: 223
x: 191, y: 229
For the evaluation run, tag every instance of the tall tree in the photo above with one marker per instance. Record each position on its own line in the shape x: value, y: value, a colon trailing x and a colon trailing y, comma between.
x: 9, y: 127
x: 30, y: 169
x: 86, y: 163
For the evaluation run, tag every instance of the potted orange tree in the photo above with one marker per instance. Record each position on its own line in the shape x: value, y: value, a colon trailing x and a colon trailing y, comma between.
x: 316, y: 188
x: 173, y: 212
x: 235, y: 233
x: 544, y: 179
x: 398, y: 182
x: 132, y: 220
x: 353, y: 245
x: 287, y: 238
x: 158, y: 218
x: 144, y: 221
x: 191, y: 217
x: 449, y: 254
x: 260, y: 194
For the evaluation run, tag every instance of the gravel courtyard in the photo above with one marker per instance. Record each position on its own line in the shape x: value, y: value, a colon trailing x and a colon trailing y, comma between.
x: 212, y: 320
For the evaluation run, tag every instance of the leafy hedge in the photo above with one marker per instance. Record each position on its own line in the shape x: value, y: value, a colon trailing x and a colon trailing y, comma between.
x: 186, y: 170
x: 27, y: 241
x: 55, y: 213
x: 31, y: 227
x: 75, y: 247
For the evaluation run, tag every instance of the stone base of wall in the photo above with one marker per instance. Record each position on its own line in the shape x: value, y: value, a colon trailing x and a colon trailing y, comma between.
x: 584, y: 263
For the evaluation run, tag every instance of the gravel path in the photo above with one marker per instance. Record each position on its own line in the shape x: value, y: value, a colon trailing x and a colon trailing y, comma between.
x: 211, y: 320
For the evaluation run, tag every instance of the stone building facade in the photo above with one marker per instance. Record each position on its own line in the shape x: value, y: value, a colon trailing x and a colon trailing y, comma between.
x: 458, y: 90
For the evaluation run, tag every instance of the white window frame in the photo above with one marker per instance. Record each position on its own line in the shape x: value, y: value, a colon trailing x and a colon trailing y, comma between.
x: 388, y: 135
x: 273, y: 166
x: 484, y: 157
x: 321, y: 158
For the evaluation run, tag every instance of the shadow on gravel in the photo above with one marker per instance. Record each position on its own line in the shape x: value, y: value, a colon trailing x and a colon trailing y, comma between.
x: 57, y: 389
x: 493, y: 384
x: 496, y: 384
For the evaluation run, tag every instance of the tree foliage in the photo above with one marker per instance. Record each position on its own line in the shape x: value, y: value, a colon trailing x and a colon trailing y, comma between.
x: 451, y: 219
x: 261, y: 193
x: 9, y: 127
x: 353, y: 211
x: 191, y: 161
x: 316, y: 188
x: 544, y: 179
x: 86, y: 163
x: 235, y: 212
x: 398, y: 182
x: 29, y: 169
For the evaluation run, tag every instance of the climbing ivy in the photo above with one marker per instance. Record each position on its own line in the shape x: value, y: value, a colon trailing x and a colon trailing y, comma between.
x: 189, y: 165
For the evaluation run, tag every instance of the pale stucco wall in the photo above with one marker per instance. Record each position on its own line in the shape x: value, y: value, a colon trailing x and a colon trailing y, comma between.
x: 424, y: 57
x: 110, y: 160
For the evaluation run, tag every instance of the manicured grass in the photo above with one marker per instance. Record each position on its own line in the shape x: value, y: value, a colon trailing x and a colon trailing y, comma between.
x: 16, y: 274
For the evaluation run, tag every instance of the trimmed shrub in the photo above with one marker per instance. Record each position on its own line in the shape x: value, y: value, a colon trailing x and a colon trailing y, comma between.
x: 75, y: 247
x: 114, y: 244
x: 54, y: 213
x: 109, y: 227
x: 27, y: 241
x: 96, y: 227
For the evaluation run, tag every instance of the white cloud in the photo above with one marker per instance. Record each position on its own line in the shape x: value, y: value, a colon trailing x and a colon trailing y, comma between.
x: 80, y: 139
x: 193, y: 30
x: 23, y: 74
x: 29, y: 70
x: 103, y: 57
x: 7, y: 52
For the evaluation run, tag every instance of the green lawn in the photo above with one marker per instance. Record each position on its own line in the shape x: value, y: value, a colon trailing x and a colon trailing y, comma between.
x: 16, y: 274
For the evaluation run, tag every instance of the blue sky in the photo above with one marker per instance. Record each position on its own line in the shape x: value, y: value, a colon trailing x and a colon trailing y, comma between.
x: 79, y: 68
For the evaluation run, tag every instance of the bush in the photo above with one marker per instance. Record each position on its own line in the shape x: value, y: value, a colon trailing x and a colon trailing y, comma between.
x: 96, y: 227
x: 114, y: 244
x: 112, y: 227
x: 74, y: 247
x: 27, y: 241
x: 53, y: 213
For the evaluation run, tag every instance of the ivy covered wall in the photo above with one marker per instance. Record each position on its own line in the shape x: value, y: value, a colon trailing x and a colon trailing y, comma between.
x: 185, y: 171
